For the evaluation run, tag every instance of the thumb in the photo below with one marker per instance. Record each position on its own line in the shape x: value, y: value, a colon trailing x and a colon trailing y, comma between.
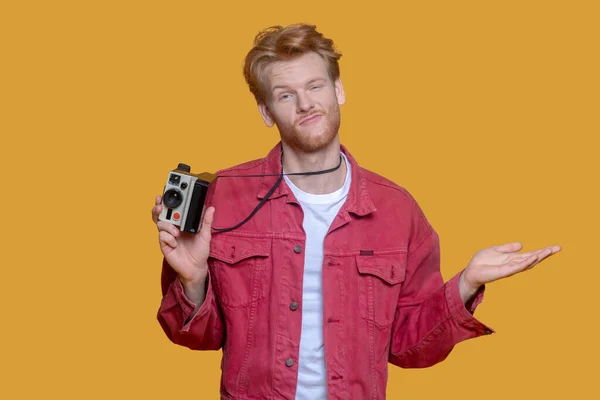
x: 206, y: 225
x: 509, y: 247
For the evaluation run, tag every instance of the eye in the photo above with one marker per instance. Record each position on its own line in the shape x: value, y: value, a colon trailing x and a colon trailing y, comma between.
x: 285, y: 96
x: 316, y: 87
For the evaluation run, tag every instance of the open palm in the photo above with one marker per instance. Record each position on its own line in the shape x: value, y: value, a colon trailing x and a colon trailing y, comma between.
x: 499, y: 262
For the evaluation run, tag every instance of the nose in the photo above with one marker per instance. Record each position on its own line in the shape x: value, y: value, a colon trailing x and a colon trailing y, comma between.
x: 304, y: 102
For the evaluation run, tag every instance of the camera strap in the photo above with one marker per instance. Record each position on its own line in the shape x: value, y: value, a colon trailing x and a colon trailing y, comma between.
x: 270, y: 192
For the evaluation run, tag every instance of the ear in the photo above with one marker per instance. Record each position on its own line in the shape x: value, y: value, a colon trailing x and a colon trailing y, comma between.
x: 339, y: 91
x: 265, y: 114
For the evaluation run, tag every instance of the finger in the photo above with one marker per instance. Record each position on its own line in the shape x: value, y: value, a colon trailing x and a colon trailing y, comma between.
x: 543, y: 254
x: 509, y: 247
x: 555, y: 249
x: 167, y: 227
x: 552, y: 249
x: 205, y: 229
x: 519, y: 266
x: 167, y: 239
x: 156, y: 210
x: 524, y: 256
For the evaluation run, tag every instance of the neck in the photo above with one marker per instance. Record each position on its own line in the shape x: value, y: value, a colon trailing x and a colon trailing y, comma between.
x: 326, y: 158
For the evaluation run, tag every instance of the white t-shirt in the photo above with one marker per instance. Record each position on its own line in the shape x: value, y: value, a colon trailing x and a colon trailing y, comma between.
x: 319, y: 211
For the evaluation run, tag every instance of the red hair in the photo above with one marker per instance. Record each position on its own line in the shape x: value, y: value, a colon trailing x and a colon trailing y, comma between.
x: 278, y: 43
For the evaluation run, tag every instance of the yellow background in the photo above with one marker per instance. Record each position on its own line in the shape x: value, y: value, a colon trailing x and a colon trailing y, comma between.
x: 487, y: 112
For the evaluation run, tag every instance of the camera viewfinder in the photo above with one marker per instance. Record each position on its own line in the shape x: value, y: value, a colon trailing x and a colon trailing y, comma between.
x: 174, y: 179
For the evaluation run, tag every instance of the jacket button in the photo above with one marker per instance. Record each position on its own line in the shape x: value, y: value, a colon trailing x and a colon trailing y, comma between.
x: 297, y: 248
x: 289, y: 362
x: 294, y: 306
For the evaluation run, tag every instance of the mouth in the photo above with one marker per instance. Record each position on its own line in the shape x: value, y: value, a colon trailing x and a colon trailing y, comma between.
x: 310, y: 119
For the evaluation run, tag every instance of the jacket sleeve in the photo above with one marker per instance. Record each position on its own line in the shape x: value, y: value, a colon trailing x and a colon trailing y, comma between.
x: 431, y: 317
x: 203, y: 330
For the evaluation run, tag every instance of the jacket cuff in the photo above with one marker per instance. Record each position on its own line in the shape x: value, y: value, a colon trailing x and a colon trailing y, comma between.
x: 463, y: 313
x: 188, y: 306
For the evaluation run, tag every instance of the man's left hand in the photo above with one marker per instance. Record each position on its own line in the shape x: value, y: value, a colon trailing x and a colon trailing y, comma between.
x: 499, y: 262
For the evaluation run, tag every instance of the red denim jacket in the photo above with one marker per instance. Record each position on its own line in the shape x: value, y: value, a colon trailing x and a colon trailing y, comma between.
x: 384, y: 299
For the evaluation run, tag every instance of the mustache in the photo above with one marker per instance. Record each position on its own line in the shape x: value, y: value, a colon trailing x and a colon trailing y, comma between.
x: 305, y: 117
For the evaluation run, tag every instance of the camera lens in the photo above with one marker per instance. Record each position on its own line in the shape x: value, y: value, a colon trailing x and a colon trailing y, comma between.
x: 183, y: 185
x: 172, y: 198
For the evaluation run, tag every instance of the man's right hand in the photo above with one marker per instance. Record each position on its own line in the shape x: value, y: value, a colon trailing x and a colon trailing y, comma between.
x: 186, y: 253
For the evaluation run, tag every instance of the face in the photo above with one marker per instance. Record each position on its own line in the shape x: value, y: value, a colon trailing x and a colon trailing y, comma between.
x: 303, y: 102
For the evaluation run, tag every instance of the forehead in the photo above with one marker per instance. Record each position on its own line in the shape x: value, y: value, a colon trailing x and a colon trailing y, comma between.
x: 297, y: 71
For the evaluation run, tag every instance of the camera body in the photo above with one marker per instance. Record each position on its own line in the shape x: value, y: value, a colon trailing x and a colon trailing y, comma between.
x: 183, y: 198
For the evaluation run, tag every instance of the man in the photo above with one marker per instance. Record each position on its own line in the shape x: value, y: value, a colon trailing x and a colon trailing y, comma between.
x: 335, y: 274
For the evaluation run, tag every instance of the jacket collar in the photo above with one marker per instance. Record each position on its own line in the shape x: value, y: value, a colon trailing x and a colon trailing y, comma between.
x: 358, y: 200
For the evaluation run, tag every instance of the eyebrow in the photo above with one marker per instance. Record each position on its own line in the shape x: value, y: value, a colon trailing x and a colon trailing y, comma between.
x: 308, y: 83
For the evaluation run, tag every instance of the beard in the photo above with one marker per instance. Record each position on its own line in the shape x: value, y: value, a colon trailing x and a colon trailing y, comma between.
x: 312, y: 138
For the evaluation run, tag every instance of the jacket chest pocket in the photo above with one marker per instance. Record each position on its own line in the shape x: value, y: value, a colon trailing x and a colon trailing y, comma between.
x: 240, y: 269
x: 380, y: 279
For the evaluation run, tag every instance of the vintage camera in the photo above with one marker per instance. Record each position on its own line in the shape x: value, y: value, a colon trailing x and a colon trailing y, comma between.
x: 183, y: 198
